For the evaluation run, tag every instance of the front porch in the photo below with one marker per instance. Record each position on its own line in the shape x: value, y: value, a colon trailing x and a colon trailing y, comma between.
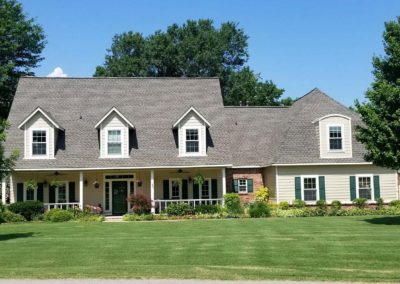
x: 110, y: 189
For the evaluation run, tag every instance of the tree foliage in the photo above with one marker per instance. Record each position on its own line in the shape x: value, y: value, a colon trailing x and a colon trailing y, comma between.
x: 6, y: 163
x: 381, y: 112
x: 194, y: 49
x: 21, y: 43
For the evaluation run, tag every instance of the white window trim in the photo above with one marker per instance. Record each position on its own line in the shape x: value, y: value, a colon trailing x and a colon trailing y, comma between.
x: 34, y: 194
x: 106, y: 155
x: 171, y: 180
x: 209, y: 189
x: 32, y: 156
x: 371, y: 176
x: 341, y: 125
x: 316, y: 185
x: 247, y: 186
x: 192, y: 154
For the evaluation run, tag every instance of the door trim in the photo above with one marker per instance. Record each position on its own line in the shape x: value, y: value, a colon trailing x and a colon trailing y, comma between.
x: 128, y: 180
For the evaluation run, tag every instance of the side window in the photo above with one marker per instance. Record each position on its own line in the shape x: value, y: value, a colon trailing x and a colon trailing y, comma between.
x: 310, y: 189
x: 335, y: 138
x: 365, y: 187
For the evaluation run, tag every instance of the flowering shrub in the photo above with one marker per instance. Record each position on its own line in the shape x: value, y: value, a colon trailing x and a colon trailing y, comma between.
x: 262, y: 194
x: 141, y: 203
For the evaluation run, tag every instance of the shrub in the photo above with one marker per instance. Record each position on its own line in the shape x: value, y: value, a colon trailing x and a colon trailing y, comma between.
x: 298, y: 203
x: 58, y: 215
x: 141, y: 203
x: 136, y: 217
x: 2, y: 207
x: 321, y: 205
x: 360, y: 203
x: 207, y: 209
x: 232, y: 204
x: 262, y: 194
x: 336, y: 205
x: 10, y: 217
x: 259, y: 209
x: 379, y: 203
x: 91, y: 218
x: 283, y: 205
x: 28, y: 209
x: 179, y: 209
x: 394, y: 203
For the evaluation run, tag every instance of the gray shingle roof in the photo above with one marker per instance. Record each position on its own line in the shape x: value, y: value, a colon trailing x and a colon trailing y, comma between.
x: 241, y: 136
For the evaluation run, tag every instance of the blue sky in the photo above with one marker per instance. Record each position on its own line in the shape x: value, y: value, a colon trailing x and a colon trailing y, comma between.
x: 297, y: 44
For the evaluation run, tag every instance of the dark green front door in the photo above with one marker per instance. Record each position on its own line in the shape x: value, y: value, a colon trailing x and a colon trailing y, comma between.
x: 119, y: 195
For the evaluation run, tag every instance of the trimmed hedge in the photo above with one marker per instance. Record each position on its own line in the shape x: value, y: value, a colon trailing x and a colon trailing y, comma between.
x: 28, y: 209
x: 58, y: 215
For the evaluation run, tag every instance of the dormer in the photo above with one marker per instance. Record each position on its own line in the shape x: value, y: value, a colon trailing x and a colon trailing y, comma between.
x: 335, y: 136
x: 40, y: 135
x: 192, y: 133
x: 114, y: 134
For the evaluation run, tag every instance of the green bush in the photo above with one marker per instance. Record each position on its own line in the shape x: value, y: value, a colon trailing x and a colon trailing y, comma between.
x: 207, y: 209
x: 283, y: 205
x: 232, y: 204
x: 336, y: 205
x: 394, y: 203
x: 91, y: 218
x: 262, y: 194
x: 379, y: 203
x: 179, y: 209
x: 2, y: 207
x: 28, y: 209
x: 138, y: 217
x: 298, y: 203
x: 259, y: 209
x: 10, y: 217
x: 321, y: 205
x: 360, y: 203
x: 58, y: 215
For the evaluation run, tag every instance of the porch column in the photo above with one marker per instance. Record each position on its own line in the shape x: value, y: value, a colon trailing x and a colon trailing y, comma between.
x: 223, y: 182
x: 153, y: 208
x: 3, y: 191
x: 81, y: 190
x: 12, y: 190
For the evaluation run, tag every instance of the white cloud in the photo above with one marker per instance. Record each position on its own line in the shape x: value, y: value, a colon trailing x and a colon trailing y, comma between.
x: 57, y: 72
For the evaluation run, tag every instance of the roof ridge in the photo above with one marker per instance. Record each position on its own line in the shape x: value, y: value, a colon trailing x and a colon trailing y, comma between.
x: 257, y: 107
x: 128, y: 78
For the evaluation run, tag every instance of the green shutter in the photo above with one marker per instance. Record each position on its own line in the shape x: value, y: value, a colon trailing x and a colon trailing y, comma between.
x: 185, y: 189
x: 297, y: 188
x: 250, y: 185
x: 195, y: 191
x: 321, y: 180
x: 39, y: 194
x: 353, y: 194
x: 20, y: 192
x: 377, y: 188
x: 166, y: 189
x: 214, y: 188
x: 235, y: 185
x: 71, y: 189
x: 52, y: 194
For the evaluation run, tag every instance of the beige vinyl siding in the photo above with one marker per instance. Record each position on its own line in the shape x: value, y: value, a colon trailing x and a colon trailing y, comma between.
x: 324, y: 137
x: 337, y: 181
x: 270, y: 181
x: 192, y: 121
x: 38, y: 121
x: 114, y: 121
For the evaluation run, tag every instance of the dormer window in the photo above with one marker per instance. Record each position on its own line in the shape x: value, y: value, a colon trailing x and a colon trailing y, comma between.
x: 335, y: 138
x: 39, y: 142
x: 192, y: 140
x: 114, y: 143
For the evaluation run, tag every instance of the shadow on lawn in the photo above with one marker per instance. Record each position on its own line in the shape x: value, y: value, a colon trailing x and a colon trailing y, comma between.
x: 6, y: 237
x: 395, y: 220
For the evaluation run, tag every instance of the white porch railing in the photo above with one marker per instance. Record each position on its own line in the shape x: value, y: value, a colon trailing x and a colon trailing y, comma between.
x: 161, y: 204
x: 67, y: 205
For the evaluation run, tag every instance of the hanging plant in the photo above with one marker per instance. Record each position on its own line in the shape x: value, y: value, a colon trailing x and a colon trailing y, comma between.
x: 176, y: 182
x: 139, y: 183
x: 31, y: 184
x: 199, y: 180
x: 96, y: 184
x: 55, y: 183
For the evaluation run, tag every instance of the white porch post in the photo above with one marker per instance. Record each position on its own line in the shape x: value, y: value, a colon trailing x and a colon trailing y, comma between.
x: 81, y: 190
x: 223, y: 182
x: 153, y: 208
x: 3, y: 191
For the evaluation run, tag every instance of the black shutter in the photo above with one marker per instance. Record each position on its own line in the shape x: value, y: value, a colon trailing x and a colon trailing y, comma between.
x: 20, y: 192
x: 40, y: 192
x: 297, y: 187
x: 184, y: 189
x: 195, y: 191
x: 52, y: 194
x: 214, y: 188
x: 166, y: 189
x: 71, y: 189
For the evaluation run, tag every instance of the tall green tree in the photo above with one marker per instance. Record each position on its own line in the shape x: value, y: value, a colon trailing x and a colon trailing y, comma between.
x: 21, y: 43
x: 194, y: 49
x: 6, y: 163
x: 381, y: 112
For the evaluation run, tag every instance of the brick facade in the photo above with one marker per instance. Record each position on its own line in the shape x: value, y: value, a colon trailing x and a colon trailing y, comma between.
x: 255, y: 174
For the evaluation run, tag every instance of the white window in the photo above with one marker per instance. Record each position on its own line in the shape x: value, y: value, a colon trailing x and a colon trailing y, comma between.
x: 206, y: 189
x: 39, y: 142
x: 114, y: 142
x: 335, y: 138
x: 192, y: 140
x: 365, y: 187
x: 175, y: 189
x: 310, y: 188
x: 30, y: 194
x: 242, y: 185
x: 61, y: 193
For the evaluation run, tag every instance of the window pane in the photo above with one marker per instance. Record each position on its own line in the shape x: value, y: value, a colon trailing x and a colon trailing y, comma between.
x: 39, y: 142
x: 114, y: 149
x: 364, y: 187
x: 242, y: 185
x: 62, y: 194
x: 205, y: 191
x: 192, y: 146
x: 310, y: 183
x: 107, y: 196
x: 310, y: 195
x: 192, y: 134
x: 335, y: 138
x: 114, y: 142
x: 114, y: 136
x: 310, y: 189
x: 39, y: 148
x: 175, y: 190
x: 30, y: 194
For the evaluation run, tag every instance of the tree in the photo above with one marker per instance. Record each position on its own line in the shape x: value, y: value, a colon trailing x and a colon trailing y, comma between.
x: 194, y: 49
x: 6, y: 163
x: 381, y: 112
x: 21, y: 43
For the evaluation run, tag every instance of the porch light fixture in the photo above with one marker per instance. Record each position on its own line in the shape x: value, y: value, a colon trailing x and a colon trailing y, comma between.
x: 96, y: 184
x: 190, y: 179
x: 45, y: 182
x: 139, y: 183
x: 85, y: 182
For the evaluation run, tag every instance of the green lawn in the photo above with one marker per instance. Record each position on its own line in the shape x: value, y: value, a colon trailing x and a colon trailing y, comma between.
x: 321, y: 248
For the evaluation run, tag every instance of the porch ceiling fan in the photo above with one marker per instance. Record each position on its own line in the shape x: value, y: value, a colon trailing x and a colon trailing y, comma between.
x: 180, y: 171
x: 56, y: 173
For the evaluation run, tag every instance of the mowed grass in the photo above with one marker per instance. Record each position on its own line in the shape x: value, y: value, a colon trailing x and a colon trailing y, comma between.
x: 321, y: 248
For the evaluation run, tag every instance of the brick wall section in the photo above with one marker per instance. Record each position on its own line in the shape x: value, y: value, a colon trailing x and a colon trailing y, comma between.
x: 255, y: 174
